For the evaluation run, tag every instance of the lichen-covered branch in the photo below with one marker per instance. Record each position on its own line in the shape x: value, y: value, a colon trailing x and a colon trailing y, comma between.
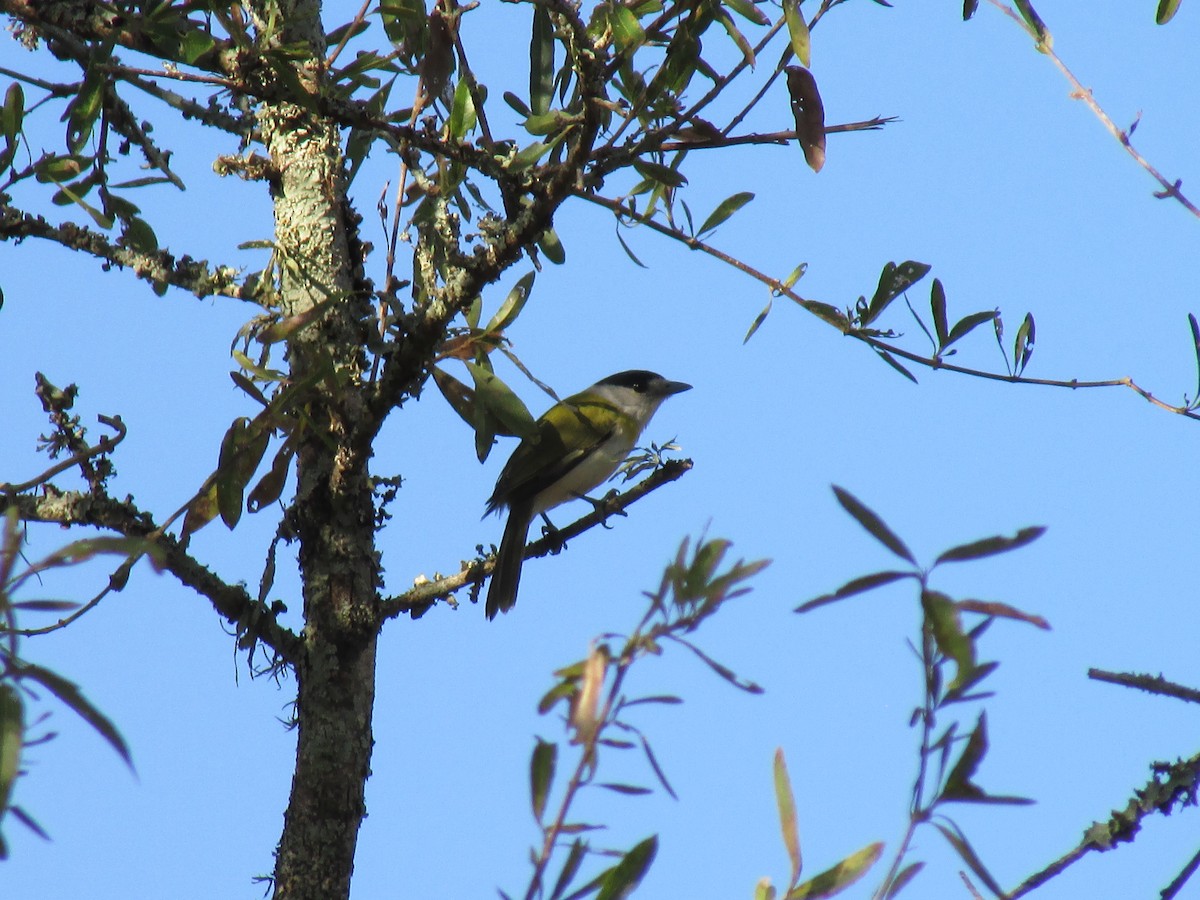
x: 160, y: 268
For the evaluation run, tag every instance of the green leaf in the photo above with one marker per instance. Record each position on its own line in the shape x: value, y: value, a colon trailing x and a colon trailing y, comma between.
x: 242, y: 450
x: 541, y: 775
x: 872, y: 523
x: 855, y: 586
x: 140, y: 236
x: 1166, y: 11
x: 541, y: 60
x: 13, y: 113
x: 747, y: 10
x: 270, y: 486
x: 628, y: 789
x: 959, y: 785
x: 202, y: 510
x: 893, y: 281
x: 907, y: 874
x: 991, y: 546
x: 627, y: 31
x: 942, y: 619
x: 84, y: 109
x: 1002, y: 611
x: 1023, y: 344
x: 837, y: 878
x: 460, y: 397
x: 969, y: 7
x: 620, y: 881
x: 462, y: 111
x: 1044, y: 39
x: 967, y: 324
x: 891, y: 361
x: 628, y: 252
x: 727, y: 208
x: 513, y: 303
x: 69, y: 693
x: 660, y: 173
x: 570, y: 868
x: 550, y: 245
x: 758, y: 320
x: 12, y: 737
x: 498, y: 399
x: 798, y: 32
x: 937, y: 303
x: 962, y: 846
x: 789, y: 823
x: 735, y: 34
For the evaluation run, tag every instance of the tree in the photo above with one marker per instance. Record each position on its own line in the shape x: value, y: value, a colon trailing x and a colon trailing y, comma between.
x: 619, y: 104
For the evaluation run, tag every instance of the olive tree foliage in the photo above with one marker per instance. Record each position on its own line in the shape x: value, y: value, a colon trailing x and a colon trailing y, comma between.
x: 610, y: 104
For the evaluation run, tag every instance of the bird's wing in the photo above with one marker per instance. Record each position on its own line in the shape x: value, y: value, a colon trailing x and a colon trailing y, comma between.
x: 545, y: 461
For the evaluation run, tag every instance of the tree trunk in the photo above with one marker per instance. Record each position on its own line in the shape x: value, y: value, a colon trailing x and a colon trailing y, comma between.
x: 333, y: 516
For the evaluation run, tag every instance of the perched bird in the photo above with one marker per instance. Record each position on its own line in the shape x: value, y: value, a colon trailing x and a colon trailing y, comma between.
x: 580, y: 443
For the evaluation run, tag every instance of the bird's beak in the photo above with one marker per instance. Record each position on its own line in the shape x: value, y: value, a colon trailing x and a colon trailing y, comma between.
x: 675, y: 387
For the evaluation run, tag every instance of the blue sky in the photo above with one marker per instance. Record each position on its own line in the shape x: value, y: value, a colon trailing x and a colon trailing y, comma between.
x: 1019, y: 200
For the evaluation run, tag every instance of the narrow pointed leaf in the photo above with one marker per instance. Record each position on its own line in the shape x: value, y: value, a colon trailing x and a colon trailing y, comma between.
x: 620, y: 881
x: 570, y: 868
x: 1040, y: 31
x: 907, y: 874
x: 727, y: 208
x: 541, y: 775
x: 1002, y: 611
x: 872, y: 523
x: 1166, y: 11
x: 541, y: 60
x: 12, y: 735
x: 959, y: 782
x: 969, y: 7
x: 758, y: 320
x: 513, y: 303
x: 941, y: 615
x: 836, y: 879
x: 68, y: 692
x: 962, y: 846
x: 891, y: 361
x: 789, y: 823
x: 855, y: 586
x: 937, y: 303
x: 991, y: 546
x: 798, y: 32
x: 499, y: 400
x: 967, y: 324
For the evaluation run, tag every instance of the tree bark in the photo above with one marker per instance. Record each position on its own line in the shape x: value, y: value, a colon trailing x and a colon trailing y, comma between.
x: 333, y: 516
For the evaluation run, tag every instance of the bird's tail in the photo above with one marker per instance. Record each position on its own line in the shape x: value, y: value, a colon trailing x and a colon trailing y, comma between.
x: 506, y: 575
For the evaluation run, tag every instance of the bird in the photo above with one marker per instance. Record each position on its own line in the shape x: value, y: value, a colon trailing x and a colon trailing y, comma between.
x: 580, y: 442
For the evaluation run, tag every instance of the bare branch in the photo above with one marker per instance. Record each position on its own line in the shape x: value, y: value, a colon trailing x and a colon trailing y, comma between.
x: 1150, y: 684
x: 160, y: 267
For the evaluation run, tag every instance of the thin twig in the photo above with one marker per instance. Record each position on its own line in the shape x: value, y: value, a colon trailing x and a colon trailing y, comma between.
x: 1149, y: 683
x: 822, y: 311
x: 1079, y: 92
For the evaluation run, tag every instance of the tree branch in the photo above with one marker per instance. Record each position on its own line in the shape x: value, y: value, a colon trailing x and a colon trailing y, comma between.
x: 157, y: 268
x: 1148, y: 683
x: 834, y: 317
x: 1170, y: 785
x: 231, y: 601
x: 417, y: 600
x: 1079, y: 92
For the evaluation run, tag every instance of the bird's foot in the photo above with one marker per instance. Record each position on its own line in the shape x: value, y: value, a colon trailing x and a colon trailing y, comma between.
x: 551, y: 532
x: 604, y: 508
